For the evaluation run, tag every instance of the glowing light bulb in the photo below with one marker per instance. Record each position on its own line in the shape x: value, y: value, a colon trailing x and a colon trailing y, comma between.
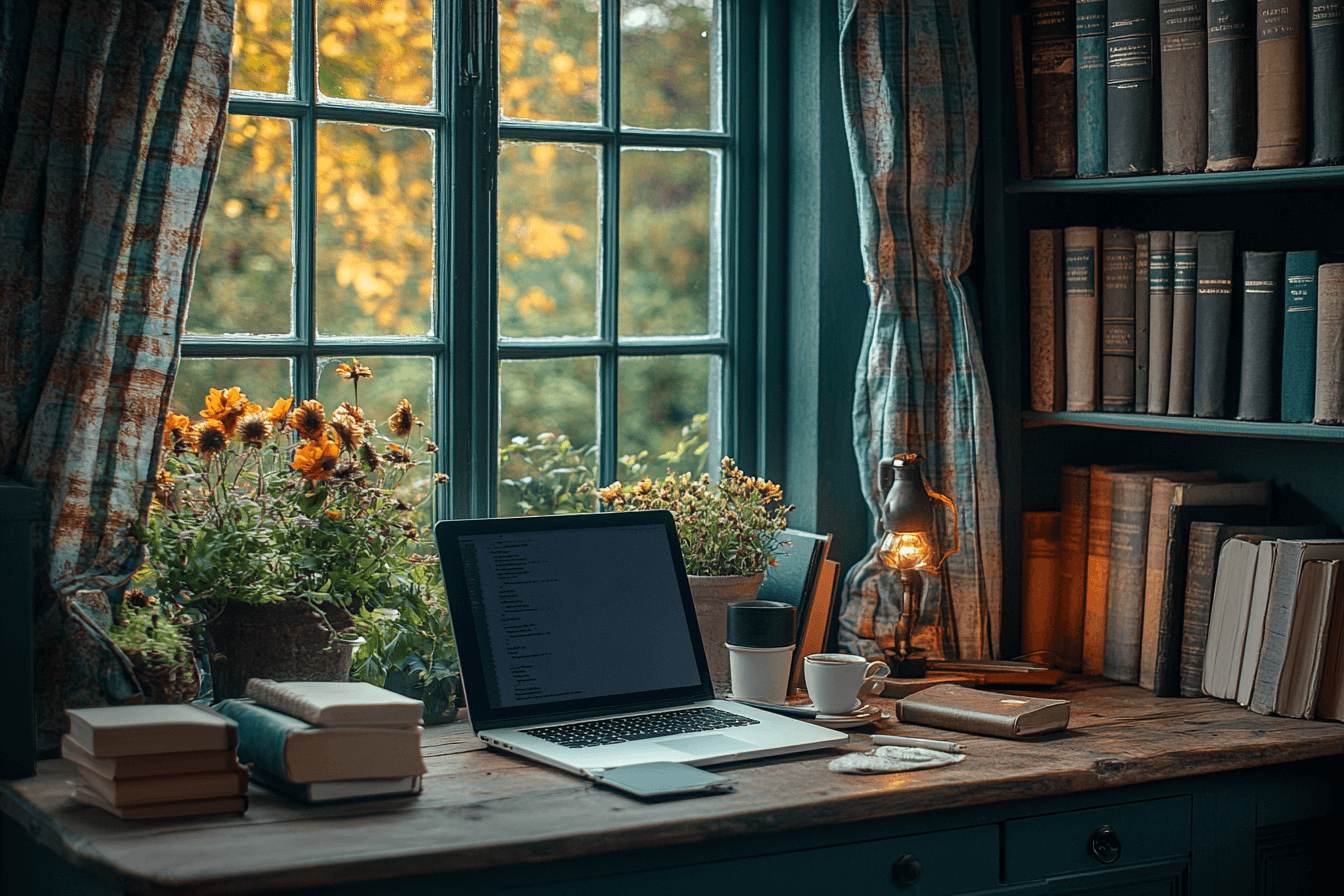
x: 904, y: 550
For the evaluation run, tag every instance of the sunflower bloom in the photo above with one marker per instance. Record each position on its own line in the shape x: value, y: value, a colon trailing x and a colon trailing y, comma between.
x: 353, y: 411
x: 309, y: 420
x: 280, y: 410
x: 316, y: 460
x: 402, y: 419
x: 354, y: 371
x: 349, y: 431
x: 228, y: 407
x: 211, y: 438
x: 255, y: 428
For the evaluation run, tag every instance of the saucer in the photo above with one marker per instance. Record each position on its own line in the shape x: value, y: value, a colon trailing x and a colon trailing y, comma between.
x: 865, y: 714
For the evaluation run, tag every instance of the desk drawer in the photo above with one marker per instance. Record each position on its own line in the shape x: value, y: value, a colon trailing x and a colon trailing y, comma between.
x: 1093, y: 839
x: 935, y: 864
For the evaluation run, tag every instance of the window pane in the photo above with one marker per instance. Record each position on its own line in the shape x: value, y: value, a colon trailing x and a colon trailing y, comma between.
x: 547, y: 430
x: 379, y: 50
x: 262, y: 46
x: 245, y: 273
x: 665, y: 240
x: 375, y: 230
x: 548, y: 59
x: 393, y: 379
x: 668, y: 63
x: 262, y: 380
x: 548, y: 239
x: 659, y: 403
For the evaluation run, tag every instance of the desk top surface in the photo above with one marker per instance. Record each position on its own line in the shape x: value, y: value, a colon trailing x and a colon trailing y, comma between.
x: 482, y: 810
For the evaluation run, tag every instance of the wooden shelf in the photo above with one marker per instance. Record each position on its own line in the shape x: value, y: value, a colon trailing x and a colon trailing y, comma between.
x: 1231, y: 181
x: 1191, y: 425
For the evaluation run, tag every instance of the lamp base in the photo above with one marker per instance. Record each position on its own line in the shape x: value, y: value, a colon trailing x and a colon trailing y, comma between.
x: 910, y: 667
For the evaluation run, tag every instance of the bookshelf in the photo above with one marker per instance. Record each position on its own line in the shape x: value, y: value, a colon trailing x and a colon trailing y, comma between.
x: 1281, y: 209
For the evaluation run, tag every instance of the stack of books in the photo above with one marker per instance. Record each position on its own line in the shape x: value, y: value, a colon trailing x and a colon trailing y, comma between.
x: 140, y: 762
x: 328, y: 741
x: 805, y: 578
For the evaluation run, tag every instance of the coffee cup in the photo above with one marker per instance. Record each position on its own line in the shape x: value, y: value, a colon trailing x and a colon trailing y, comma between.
x: 836, y: 682
x: 760, y: 649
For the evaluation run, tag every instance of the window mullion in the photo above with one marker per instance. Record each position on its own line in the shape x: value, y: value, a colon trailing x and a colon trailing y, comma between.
x: 609, y: 323
x: 304, y: 68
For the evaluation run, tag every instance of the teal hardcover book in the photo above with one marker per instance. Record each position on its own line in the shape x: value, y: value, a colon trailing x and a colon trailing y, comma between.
x: 1297, y: 402
x: 1090, y: 65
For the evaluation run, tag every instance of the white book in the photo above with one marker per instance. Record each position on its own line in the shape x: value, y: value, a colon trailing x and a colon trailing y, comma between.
x: 1231, y: 597
x: 1255, y: 620
x: 1300, y: 681
x: 337, y: 704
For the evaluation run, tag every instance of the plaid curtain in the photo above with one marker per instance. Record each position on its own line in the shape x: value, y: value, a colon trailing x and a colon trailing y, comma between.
x: 908, y: 76
x: 112, y: 113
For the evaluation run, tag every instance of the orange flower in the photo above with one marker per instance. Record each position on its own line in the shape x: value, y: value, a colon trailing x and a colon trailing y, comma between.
x: 177, y: 434
x: 316, y: 460
x: 348, y: 430
x: 280, y: 410
x: 402, y: 419
x: 211, y: 438
x: 227, y: 407
x: 309, y: 420
x: 354, y: 371
x: 254, y: 428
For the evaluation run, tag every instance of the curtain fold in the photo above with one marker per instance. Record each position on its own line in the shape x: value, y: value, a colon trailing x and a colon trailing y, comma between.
x: 112, y: 118
x: 908, y: 78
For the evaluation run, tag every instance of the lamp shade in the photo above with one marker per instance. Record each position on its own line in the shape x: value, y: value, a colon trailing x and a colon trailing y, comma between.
x: 910, y: 539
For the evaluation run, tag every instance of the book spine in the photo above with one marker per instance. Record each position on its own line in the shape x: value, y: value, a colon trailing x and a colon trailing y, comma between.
x: 1142, y: 310
x: 1081, y: 321
x: 1280, y: 49
x: 1202, y: 559
x: 1046, y: 272
x: 1213, y: 315
x: 1278, y: 627
x: 1185, y: 108
x: 1232, y: 84
x: 1053, y: 89
x: 1041, y: 549
x: 1117, y: 321
x: 1073, y: 496
x: 1330, y: 344
x: 1160, y: 261
x: 1297, y: 394
x: 1090, y: 62
x: 1131, y: 69
x: 1098, y: 571
x: 1020, y: 95
x: 1261, y: 335
x: 1124, y: 597
x: 1326, y: 21
x: 1184, y: 266
x: 1162, y: 492
x: 263, y: 735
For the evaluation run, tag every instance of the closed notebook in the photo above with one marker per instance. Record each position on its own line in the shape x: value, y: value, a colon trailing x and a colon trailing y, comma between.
x: 108, y: 731
x: 337, y: 704
x: 182, y: 809
x: 956, y: 708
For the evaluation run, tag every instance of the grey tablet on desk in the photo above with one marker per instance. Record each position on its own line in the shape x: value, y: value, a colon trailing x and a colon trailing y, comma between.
x: 579, y: 647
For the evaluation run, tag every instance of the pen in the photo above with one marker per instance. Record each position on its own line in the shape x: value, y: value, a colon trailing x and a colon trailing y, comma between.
x: 883, y: 740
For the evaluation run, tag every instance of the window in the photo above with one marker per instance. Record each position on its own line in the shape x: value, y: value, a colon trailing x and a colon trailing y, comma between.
x: 568, y: 248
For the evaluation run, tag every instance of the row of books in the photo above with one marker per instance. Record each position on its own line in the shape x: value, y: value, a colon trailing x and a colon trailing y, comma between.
x: 1276, y: 621
x: 1168, y: 322
x: 1106, y: 577
x: 312, y: 741
x: 1115, y: 87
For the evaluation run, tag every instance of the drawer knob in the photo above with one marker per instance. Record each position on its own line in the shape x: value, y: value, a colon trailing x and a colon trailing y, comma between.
x: 1104, y: 845
x: 906, y: 870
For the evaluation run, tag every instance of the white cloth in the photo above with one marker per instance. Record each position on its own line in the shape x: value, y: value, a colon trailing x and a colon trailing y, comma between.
x: 883, y: 760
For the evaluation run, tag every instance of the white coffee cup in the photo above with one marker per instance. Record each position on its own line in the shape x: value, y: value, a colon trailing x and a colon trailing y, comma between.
x: 760, y: 674
x: 837, y: 681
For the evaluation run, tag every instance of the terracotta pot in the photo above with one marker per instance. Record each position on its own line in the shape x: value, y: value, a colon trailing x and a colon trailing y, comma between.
x: 712, y: 595
x: 284, y: 641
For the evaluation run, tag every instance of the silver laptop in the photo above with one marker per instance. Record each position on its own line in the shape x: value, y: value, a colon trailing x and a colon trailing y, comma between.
x: 579, y: 648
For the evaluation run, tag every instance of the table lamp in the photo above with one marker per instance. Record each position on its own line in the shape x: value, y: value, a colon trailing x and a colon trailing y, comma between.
x: 910, y: 544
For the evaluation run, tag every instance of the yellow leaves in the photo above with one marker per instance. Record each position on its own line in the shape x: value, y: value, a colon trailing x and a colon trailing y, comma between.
x: 258, y: 14
x: 536, y: 300
x: 233, y: 208
x: 543, y: 154
x: 358, y: 198
x: 370, y: 278
x: 543, y: 45
x: 332, y: 46
x: 562, y: 63
x: 537, y: 237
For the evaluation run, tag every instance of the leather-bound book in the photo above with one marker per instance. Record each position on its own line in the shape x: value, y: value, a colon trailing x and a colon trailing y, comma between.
x: 958, y: 708
x: 1330, y: 344
x: 1045, y: 257
x: 1020, y: 96
x: 1101, y: 482
x: 1117, y: 320
x: 1297, y: 392
x: 1090, y: 62
x: 1126, y: 573
x: 1325, y: 19
x: 1131, y: 68
x: 1185, y: 86
x: 1159, y: 319
x: 1281, y: 61
x: 1074, y: 483
x: 1184, y: 264
x: 1213, y: 316
x: 1261, y: 335
x: 1232, y: 84
x: 1081, y: 318
x: 1040, y: 582
x: 1141, y: 321
x: 1053, y: 87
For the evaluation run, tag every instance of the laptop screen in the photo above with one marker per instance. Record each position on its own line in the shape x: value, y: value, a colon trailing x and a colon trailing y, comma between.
x: 570, y: 614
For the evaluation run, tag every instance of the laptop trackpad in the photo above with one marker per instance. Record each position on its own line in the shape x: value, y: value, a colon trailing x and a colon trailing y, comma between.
x: 707, y: 745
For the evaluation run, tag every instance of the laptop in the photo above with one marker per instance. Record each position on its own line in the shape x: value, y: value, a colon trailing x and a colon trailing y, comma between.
x: 578, y: 646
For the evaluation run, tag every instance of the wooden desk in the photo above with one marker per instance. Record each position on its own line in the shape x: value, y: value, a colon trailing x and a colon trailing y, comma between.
x: 1197, y: 790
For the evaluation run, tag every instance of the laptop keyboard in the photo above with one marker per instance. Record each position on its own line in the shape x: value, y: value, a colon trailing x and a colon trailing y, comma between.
x: 600, y: 732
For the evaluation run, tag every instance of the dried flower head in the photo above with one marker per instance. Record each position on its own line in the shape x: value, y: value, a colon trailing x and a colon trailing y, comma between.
x: 211, y: 438
x: 254, y: 429
x: 440, y: 478
x: 402, y: 419
x: 309, y: 420
x: 280, y: 410
x: 316, y: 459
x: 349, y: 431
x: 354, y: 371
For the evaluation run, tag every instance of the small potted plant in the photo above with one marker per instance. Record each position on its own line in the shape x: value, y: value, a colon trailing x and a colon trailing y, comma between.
x: 278, y: 528
x: 729, y: 532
